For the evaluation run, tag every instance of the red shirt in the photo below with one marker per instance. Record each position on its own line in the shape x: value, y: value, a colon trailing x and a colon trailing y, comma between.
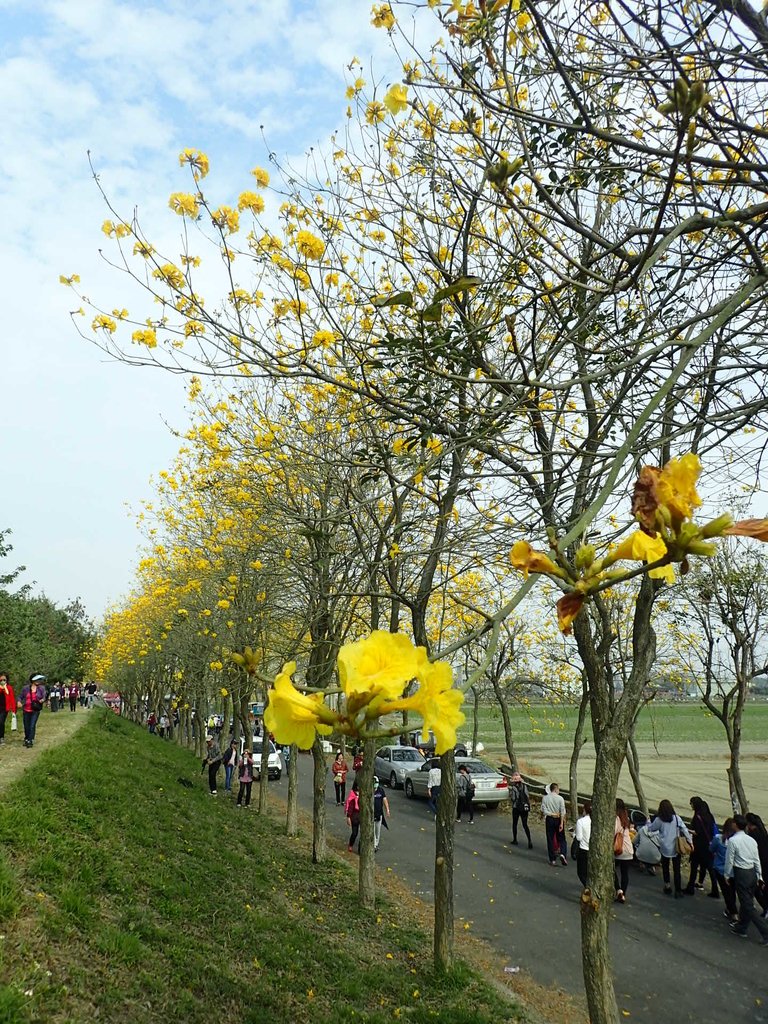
x: 7, y: 697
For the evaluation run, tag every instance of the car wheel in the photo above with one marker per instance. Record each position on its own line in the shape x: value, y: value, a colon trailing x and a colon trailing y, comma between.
x: 491, y: 807
x: 393, y: 781
x: 409, y: 789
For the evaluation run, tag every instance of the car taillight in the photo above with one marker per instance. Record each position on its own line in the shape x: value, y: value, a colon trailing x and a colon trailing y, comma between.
x: 502, y: 785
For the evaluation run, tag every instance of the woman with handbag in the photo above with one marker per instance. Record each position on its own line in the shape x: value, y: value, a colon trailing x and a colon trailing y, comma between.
x: 339, y: 770
x: 674, y: 840
x: 7, y: 703
x: 521, y: 805
x: 30, y: 703
x: 623, y: 851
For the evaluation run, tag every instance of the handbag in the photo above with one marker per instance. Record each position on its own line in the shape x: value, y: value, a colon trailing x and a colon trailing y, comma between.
x: 575, y: 847
x: 618, y: 843
x: 683, y: 846
x: 337, y: 777
x: 36, y: 705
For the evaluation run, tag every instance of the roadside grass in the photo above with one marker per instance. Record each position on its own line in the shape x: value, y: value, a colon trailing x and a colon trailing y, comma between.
x: 658, y: 723
x: 127, y: 897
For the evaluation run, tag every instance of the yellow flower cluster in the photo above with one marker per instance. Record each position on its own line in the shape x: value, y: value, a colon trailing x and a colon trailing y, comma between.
x: 226, y: 219
x: 197, y: 161
x: 184, y: 204
x: 104, y: 322
x: 375, y: 675
x: 146, y: 337
x: 310, y: 246
x: 251, y: 201
x: 382, y: 16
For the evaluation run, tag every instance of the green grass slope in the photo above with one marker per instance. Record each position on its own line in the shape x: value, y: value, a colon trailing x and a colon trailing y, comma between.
x: 125, y: 897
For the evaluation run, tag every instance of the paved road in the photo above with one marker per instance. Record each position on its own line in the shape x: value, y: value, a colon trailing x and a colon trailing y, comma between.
x: 674, y: 960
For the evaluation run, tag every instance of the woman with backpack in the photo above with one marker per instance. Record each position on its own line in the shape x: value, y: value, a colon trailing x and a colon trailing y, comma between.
x: 670, y: 828
x: 352, y: 811
x: 465, y: 792
x: 521, y: 806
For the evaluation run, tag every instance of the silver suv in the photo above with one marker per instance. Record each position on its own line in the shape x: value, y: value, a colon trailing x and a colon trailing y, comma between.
x: 393, y: 764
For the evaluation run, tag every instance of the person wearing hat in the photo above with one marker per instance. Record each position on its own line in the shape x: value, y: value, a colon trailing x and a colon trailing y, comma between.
x: 213, y: 762
x: 521, y: 805
x: 31, y: 701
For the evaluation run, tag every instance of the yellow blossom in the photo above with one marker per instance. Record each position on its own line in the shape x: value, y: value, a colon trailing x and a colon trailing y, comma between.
x: 72, y: 279
x: 639, y: 546
x: 382, y: 16
x: 380, y: 664
x: 524, y: 558
x: 310, y: 246
x: 112, y: 230
x: 197, y: 160
x: 396, y: 99
x: 184, y: 204
x: 261, y: 176
x: 437, y: 702
x: 251, y: 201
x: 295, y: 717
x: 146, y: 337
x: 170, y: 274
x: 375, y: 112
x: 103, y: 322
x: 226, y: 219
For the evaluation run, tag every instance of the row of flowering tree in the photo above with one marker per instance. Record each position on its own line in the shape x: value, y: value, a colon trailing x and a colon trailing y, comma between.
x: 529, y: 268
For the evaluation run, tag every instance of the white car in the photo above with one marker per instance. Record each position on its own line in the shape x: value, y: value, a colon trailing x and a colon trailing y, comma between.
x: 393, y: 764
x: 274, y: 761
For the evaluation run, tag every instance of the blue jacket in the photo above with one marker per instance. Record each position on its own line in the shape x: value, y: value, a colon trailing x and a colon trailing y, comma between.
x: 718, y: 848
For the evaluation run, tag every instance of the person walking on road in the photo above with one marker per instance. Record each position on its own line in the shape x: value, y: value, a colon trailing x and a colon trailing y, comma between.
x: 339, y: 770
x: 703, y: 828
x: 757, y: 830
x: 465, y: 794
x: 742, y: 864
x: 245, y: 777
x: 213, y: 763
x: 7, y: 703
x: 30, y: 703
x: 670, y: 826
x: 521, y: 806
x: 717, y: 849
x: 623, y: 851
x: 553, y: 812
x: 74, y: 696
x: 380, y: 811
x: 434, y: 781
x: 581, y: 837
x: 352, y: 811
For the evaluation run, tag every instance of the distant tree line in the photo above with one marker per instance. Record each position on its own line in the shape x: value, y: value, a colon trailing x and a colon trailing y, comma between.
x: 35, y: 633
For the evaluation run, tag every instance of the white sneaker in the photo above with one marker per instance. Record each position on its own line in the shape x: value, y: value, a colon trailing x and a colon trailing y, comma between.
x: 214, y: 793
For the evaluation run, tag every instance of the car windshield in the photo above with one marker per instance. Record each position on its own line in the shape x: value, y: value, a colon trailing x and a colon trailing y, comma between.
x: 478, y: 767
x: 257, y: 747
x: 406, y: 755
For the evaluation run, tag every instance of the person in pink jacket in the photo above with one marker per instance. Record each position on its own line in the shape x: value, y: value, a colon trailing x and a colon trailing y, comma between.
x: 622, y: 858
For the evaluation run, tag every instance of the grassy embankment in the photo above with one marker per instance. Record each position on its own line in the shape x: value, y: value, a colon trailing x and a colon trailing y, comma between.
x: 127, y: 897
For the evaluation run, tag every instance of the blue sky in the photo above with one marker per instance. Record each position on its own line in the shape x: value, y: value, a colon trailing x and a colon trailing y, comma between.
x: 134, y: 83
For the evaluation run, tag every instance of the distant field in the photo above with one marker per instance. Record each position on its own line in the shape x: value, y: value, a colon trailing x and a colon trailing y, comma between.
x: 682, y: 750
x: 658, y: 724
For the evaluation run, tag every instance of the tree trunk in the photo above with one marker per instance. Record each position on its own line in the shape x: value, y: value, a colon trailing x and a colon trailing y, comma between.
x: 633, y: 763
x: 319, y: 842
x: 504, y: 707
x: 444, y: 833
x: 596, y: 901
x: 292, y: 811
x: 366, y: 875
x: 578, y: 743
x: 475, y: 722
x: 736, y: 786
